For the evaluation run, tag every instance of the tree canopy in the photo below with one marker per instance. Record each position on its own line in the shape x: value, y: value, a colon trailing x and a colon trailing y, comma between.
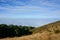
x: 14, y: 30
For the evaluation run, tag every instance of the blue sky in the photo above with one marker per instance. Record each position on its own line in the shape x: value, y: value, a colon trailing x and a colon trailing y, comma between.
x: 29, y: 12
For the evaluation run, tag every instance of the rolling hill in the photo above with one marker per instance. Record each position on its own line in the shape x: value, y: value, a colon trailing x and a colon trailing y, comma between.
x: 51, y: 27
x: 50, y: 31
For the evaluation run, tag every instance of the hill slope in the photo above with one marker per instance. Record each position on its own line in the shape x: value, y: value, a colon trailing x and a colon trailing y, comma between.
x: 47, y: 32
x: 52, y: 27
x: 37, y: 36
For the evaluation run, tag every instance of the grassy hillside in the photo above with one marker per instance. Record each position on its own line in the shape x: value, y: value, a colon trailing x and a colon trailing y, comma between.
x: 51, y: 27
x: 47, y: 32
x: 37, y: 36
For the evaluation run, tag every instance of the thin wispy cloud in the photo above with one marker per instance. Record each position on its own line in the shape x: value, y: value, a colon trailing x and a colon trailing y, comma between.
x: 25, y: 9
x: 50, y: 3
x: 47, y: 3
x: 13, y: 2
x: 30, y: 12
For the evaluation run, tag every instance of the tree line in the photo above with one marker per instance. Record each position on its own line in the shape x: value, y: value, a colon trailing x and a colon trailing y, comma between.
x: 14, y: 30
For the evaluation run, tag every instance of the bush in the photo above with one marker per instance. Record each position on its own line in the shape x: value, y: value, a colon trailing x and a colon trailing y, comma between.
x: 57, y: 31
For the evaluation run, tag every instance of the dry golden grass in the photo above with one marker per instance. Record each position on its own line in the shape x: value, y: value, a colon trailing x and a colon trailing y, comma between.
x: 51, y: 27
x: 37, y: 36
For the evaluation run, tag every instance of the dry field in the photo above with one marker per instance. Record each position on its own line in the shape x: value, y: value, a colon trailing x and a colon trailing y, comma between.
x: 37, y: 36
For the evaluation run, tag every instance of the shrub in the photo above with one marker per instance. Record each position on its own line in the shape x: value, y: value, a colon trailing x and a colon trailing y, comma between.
x: 57, y: 31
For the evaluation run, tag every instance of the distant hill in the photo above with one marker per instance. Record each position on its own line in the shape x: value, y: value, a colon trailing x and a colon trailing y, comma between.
x: 51, y: 27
